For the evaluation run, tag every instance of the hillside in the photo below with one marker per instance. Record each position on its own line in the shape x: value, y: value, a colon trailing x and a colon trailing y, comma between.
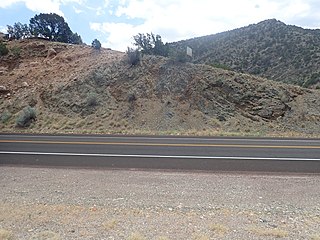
x: 79, y: 89
x: 270, y: 49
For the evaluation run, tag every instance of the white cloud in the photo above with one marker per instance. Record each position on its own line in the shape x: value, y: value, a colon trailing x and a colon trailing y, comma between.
x: 106, y: 3
x: 116, y: 32
x: 7, y: 3
x: 43, y: 6
x: 96, y: 26
x: 3, y: 29
x: 180, y: 19
x: 100, y: 11
x: 77, y: 10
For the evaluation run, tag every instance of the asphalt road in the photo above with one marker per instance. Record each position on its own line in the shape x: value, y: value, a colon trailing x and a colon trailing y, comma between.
x: 178, y: 153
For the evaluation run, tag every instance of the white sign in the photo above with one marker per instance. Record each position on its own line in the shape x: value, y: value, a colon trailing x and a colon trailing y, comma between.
x: 189, y: 51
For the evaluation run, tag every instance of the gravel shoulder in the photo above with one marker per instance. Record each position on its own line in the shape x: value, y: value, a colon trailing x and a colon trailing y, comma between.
x: 49, y: 203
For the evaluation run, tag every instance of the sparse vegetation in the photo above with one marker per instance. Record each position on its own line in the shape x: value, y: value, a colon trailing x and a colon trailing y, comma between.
x: 110, y: 225
x: 16, y: 51
x: 133, y: 56
x: 151, y: 44
x: 136, y: 236
x: 5, y: 116
x: 92, y: 100
x: 6, y: 235
x: 96, y: 44
x: 265, y: 49
x: 315, y: 237
x: 46, y: 235
x: 219, y: 65
x: 154, y: 97
x: 3, y: 49
x: 26, y: 116
x: 178, y: 56
x: 200, y: 237
x: 219, y: 229
x: 162, y: 238
x: 313, y: 80
x: 268, y: 232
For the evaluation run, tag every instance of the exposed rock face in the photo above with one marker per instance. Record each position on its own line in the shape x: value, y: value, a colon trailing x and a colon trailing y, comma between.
x: 181, y: 92
x: 4, y: 90
x: 51, y: 53
x: 80, y: 90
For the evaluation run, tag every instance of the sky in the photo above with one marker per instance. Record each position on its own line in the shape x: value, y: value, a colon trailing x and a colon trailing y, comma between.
x: 115, y: 22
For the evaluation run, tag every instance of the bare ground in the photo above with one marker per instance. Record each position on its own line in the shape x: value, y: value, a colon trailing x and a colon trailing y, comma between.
x: 39, y: 203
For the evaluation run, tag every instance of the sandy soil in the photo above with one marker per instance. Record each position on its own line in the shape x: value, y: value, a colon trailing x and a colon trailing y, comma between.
x: 40, y: 203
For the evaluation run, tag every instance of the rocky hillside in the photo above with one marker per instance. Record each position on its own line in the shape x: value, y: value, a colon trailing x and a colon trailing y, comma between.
x: 270, y: 49
x: 79, y: 89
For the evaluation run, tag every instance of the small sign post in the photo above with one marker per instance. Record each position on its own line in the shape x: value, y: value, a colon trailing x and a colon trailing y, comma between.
x: 189, y: 52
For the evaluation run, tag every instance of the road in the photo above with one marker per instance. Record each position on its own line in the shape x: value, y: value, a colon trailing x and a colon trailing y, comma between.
x: 178, y: 153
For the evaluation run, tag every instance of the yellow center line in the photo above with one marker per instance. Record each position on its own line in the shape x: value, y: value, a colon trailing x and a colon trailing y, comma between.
x: 161, y: 144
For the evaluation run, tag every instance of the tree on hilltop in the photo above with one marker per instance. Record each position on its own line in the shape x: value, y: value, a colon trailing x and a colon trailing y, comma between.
x: 18, y: 31
x: 75, y: 38
x: 96, y: 44
x: 52, y: 27
x: 151, y: 44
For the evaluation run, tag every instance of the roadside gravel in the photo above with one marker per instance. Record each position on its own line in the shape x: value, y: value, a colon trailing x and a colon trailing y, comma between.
x: 48, y: 203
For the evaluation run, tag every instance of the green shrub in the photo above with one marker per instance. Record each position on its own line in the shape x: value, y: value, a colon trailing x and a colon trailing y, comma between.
x: 314, y: 79
x: 96, y: 44
x: 16, y: 51
x: 5, y: 116
x: 179, y: 56
x: 134, y: 56
x: 219, y: 65
x: 92, y: 100
x: 26, y: 116
x: 3, y: 49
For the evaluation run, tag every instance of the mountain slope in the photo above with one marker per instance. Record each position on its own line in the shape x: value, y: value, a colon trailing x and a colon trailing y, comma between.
x: 270, y: 49
x: 78, y: 89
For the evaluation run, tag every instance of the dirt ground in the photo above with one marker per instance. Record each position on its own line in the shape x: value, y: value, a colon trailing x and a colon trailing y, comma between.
x: 41, y: 203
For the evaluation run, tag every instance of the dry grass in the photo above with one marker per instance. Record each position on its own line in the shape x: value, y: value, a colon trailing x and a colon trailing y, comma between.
x: 53, y: 124
x: 162, y: 238
x: 6, y: 235
x: 267, y: 232
x: 46, y: 235
x: 315, y: 237
x: 219, y: 229
x: 110, y: 225
x: 201, y: 237
x: 136, y: 236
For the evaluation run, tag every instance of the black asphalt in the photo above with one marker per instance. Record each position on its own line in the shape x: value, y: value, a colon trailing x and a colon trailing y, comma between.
x: 177, y: 153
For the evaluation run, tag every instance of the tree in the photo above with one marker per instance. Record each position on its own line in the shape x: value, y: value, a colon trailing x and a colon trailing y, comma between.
x: 18, y: 31
x: 133, y: 56
x: 151, y: 44
x: 75, y: 38
x: 50, y: 26
x: 159, y: 48
x: 96, y: 44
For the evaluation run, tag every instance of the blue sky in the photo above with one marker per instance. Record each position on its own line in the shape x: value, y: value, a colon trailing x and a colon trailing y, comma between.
x: 114, y: 22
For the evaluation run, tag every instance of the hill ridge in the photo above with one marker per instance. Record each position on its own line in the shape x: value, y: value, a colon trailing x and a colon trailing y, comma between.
x: 270, y: 49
